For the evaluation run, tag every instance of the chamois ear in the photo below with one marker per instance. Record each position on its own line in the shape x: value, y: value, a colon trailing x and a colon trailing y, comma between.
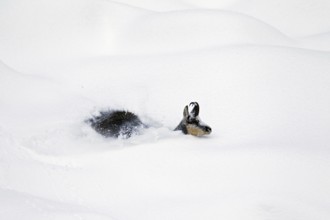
x: 185, y: 112
x: 195, y: 109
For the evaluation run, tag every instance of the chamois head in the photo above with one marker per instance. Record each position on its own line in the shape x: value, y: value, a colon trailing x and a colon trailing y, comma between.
x: 191, y: 123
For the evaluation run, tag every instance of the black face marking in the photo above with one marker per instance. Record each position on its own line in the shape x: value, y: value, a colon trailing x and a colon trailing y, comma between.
x: 192, y: 120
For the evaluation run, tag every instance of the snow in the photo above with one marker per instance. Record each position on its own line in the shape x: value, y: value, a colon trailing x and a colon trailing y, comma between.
x: 259, y: 70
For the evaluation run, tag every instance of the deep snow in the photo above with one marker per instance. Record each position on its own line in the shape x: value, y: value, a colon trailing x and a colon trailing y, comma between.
x: 260, y: 71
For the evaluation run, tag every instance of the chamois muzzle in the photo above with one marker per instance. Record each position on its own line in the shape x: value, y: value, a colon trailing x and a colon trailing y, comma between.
x: 208, y: 130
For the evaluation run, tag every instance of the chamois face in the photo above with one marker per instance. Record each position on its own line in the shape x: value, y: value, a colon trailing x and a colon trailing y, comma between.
x: 191, y: 123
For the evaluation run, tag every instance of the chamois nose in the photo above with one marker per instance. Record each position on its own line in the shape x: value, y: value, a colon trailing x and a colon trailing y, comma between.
x: 208, y: 129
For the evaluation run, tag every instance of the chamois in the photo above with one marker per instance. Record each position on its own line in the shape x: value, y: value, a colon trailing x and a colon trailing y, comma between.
x: 117, y: 123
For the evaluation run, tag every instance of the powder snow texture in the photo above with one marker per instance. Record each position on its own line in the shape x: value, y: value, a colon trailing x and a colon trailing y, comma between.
x: 260, y: 71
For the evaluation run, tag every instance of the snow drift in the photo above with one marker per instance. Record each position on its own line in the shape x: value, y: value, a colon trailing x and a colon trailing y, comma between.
x: 261, y: 78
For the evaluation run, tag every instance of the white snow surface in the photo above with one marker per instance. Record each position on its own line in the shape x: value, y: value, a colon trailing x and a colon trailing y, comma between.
x: 260, y: 71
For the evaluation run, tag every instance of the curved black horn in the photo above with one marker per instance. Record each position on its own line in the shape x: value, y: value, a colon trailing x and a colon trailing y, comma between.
x: 195, y: 109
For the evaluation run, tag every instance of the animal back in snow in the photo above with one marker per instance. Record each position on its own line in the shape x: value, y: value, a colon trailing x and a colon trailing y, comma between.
x: 116, y: 123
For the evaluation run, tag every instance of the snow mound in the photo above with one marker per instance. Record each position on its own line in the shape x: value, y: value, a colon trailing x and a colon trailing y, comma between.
x: 294, y: 17
x: 57, y: 31
x: 265, y: 95
x: 196, y: 29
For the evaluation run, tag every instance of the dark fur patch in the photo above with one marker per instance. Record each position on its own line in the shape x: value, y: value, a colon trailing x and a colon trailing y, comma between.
x: 115, y: 123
